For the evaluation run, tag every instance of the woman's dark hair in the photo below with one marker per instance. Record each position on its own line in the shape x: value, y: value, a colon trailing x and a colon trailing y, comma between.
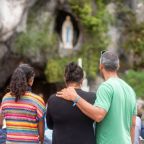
x: 73, y: 73
x: 19, y: 80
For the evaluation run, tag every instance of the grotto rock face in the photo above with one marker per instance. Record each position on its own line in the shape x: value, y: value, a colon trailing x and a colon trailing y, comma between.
x: 13, y: 20
x: 3, y: 51
x: 12, y: 13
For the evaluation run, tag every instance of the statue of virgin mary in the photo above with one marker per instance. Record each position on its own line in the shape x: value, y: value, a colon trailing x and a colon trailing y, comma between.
x: 67, y: 33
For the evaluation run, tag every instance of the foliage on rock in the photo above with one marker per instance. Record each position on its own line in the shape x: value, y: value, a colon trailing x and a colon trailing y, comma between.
x: 134, y: 41
x: 38, y: 36
x: 133, y: 35
x: 136, y: 80
x: 94, y: 24
x: 55, y: 69
x: 93, y: 19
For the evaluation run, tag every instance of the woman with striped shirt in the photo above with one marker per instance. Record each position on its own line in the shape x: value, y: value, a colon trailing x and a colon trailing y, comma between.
x: 23, y: 111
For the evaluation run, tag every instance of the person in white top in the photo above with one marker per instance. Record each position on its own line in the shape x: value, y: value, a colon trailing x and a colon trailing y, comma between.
x: 138, y: 139
x: 137, y: 130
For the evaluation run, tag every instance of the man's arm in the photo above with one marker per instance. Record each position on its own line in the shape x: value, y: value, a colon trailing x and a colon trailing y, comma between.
x: 133, y: 129
x: 95, y: 113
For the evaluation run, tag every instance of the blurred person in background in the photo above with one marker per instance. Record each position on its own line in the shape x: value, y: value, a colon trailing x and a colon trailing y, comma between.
x: 138, y: 125
x: 139, y: 133
x: 23, y: 111
x: 69, y: 124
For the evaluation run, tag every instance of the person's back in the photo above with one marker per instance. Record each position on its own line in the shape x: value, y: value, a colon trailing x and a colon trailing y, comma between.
x: 69, y: 124
x: 22, y: 110
x: 21, y: 118
x: 115, y: 127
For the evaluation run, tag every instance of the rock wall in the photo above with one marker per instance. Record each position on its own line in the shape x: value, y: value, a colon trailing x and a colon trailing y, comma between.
x: 13, y: 20
x: 14, y: 16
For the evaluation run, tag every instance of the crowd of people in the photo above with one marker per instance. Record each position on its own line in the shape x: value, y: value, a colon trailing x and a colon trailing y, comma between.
x: 108, y: 116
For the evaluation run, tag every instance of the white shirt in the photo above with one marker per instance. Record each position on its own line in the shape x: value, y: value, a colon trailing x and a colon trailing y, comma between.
x: 137, y: 130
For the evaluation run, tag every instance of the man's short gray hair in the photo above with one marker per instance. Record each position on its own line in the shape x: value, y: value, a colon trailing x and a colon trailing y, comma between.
x: 110, y: 61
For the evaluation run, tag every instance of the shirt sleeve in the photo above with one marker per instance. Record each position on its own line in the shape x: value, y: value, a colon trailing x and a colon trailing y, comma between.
x: 104, y: 97
x: 1, y: 106
x: 40, y: 108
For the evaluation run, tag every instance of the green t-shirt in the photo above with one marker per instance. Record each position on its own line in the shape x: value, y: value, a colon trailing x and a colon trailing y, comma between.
x: 118, y: 99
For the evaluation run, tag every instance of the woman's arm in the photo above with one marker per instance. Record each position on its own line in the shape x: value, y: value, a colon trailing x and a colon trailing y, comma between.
x: 41, y: 127
x: 1, y: 120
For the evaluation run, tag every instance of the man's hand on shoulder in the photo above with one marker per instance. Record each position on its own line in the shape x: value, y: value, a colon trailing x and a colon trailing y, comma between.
x: 67, y: 94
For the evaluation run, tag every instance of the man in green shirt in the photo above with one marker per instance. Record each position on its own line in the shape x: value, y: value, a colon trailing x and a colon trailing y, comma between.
x: 114, y: 108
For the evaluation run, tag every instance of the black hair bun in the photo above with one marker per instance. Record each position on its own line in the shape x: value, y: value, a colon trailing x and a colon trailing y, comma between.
x: 73, y: 72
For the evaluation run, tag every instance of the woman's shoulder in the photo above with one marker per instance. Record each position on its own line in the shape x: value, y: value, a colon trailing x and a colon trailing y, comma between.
x: 34, y: 97
x: 7, y: 95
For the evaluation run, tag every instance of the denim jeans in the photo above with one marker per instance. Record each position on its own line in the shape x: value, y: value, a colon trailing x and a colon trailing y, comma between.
x: 2, y: 136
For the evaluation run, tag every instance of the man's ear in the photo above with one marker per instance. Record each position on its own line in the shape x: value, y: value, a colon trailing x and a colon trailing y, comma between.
x: 118, y: 67
x: 101, y: 66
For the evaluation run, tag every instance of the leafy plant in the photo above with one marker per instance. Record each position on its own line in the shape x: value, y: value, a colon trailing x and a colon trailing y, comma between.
x: 136, y: 80
x: 55, y: 69
x: 93, y: 23
x: 132, y: 34
x: 37, y: 36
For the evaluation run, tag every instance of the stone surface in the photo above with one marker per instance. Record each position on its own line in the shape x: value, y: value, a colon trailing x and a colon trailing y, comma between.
x: 7, y: 66
x: 13, y: 19
x: 3, y: 50
x: 12, y: 13
x: 140, y: 11
x: 113, y: 31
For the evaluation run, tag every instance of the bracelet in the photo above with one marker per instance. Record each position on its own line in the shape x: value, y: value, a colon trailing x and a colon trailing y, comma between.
x: 76, y: 100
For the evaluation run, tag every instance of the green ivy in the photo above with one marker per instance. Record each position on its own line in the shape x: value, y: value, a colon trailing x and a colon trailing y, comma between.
x: 55, y: 69
x: 133, y: 34
x: 37, y: 36
x: 135, y: 38
x: 95, y: 21
x: 136, y: 80
x: 94, y: 25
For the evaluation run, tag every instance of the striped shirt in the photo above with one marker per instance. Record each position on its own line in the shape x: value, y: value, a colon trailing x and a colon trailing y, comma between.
x: 22, y: 118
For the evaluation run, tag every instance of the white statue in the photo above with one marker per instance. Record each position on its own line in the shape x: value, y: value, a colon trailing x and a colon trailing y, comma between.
x: 67, y: 33
x: 85, y: 85
x: 80, y: 62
